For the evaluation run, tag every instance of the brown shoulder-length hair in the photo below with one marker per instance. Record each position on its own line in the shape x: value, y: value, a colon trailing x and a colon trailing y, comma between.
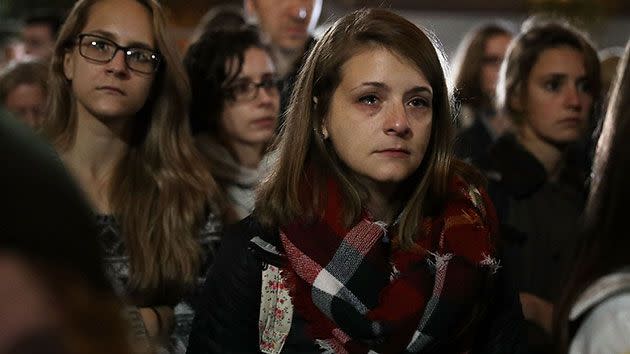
x: 159, y: 191
x: 469, y: 61
x: 305, y: 159
x: 537, y: 35
x: 605, y: 242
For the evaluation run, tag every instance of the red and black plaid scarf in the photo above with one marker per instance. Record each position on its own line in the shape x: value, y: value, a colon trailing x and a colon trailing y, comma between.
x: 359, y: 292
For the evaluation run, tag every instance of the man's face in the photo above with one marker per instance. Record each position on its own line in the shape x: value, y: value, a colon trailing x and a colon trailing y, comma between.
x: 39, y: 40
x: 288, y: 23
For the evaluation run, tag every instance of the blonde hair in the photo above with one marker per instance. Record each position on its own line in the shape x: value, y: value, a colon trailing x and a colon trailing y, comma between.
x: 159, y: 189
x: 305, y: 159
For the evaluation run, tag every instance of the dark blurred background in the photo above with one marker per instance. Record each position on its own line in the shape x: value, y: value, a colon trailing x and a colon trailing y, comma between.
x: 608, y: 21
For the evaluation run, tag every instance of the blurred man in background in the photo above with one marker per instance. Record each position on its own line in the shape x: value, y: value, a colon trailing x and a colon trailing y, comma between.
x: 287, y: 25
x: 39, y: 34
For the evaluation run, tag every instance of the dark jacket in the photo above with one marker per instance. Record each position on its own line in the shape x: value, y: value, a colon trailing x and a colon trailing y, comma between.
x: 473, y: 142
x: 226, y: 320
x: 538, y: 217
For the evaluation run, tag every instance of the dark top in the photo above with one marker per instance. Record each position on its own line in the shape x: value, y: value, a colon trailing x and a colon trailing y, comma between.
x: 539, y: 216
x: 226, y: 320
x: 473, y: 142
x: 117, y: 268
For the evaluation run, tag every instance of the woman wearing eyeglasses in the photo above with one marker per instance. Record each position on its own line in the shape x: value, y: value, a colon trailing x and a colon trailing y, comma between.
x: 234, y: 110
x: 118, y: 120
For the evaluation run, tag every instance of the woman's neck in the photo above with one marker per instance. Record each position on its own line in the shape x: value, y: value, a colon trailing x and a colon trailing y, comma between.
x: 247, y: 155
x: 549, y: 155
x: 383, y: 204
x: 97, y: 148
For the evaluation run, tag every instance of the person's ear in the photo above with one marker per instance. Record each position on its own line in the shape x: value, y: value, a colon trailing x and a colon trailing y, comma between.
x: 68, y: 65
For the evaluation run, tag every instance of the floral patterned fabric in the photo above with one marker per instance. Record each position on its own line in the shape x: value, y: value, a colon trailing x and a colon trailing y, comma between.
x: 276, y: 311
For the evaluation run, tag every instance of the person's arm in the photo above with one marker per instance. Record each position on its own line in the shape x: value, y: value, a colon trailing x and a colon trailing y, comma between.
x: 226, y: 319
x: 537, y: 310
x: 158, y: 320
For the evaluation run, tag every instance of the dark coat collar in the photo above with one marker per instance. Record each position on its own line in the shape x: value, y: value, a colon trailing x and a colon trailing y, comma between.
x: 510, y: 164
x: 513, y: 166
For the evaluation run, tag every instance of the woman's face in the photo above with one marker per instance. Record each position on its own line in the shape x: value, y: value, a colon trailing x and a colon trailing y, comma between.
x: 380, y: 116
x: 27, y: 101
x: 111, y: 90
x: 251, y: 117
x: 558, y: 100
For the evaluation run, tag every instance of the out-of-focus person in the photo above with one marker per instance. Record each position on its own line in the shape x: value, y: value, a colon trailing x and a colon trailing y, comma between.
x: 234, y: 111
x: 24, y: 89
x: 39, y: 33
x: 476, y: 71
x: 594, y: 316
x: 54, y: 295
x: 11, y: 47
x: 549, y: 87
x: 287, y: 26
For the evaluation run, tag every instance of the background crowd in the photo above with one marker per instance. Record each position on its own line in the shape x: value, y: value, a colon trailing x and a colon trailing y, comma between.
x: 263, y: 188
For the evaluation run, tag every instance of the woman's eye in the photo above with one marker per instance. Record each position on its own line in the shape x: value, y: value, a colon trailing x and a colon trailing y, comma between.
x: 139, y: 56
x: 369, y: 100
x: 101, y: 45
x: 553, y: 85
x: 418, y: 102
x: 583, y: 86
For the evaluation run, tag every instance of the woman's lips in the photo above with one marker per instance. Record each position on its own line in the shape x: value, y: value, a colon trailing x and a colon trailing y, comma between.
x: 264, y: 122
x: 394, y: 152
x: 111, y: 89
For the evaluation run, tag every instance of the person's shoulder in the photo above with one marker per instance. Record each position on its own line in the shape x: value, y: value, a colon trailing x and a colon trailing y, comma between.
x: 606, y: 329
x: 242, y: 231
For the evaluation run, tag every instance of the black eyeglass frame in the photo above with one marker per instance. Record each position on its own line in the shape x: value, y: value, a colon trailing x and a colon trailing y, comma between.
x: 277, y: 84
x: 155, y: 55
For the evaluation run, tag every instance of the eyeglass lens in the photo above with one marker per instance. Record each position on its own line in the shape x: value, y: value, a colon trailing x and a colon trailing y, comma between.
x: 103, y: 50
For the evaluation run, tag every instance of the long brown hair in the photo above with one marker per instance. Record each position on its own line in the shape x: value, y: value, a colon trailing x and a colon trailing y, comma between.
x: 159, y: 190
x: 605, y: 242
x: 301, y: 150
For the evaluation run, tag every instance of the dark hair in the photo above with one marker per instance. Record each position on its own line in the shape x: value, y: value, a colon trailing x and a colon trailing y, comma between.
x: 220, y: 17
x: 469, y: 61
x: 53, y: 19
x: 537, y: 35
x: 605, y: 241
x: 207, y: 64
